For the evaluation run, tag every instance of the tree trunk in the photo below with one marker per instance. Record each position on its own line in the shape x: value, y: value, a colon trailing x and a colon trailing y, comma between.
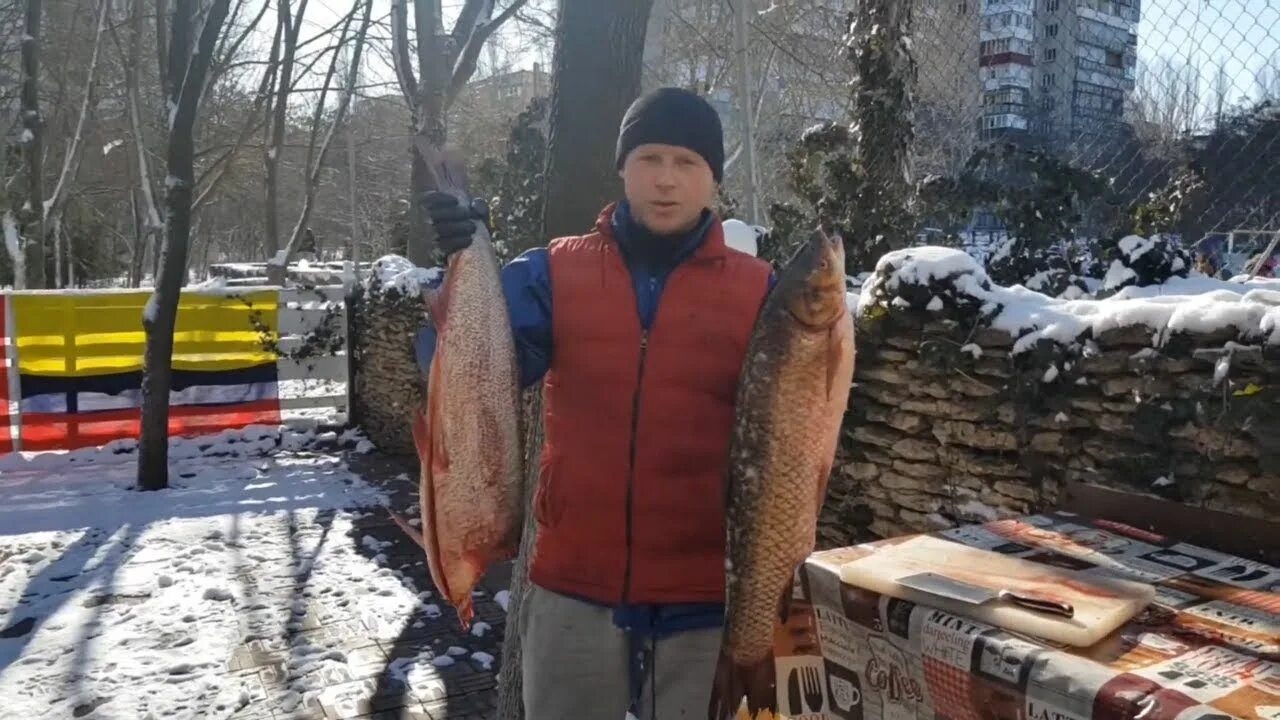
x: 444, y: 65
x: 284, y: 83
x: 33, y: 149
x: 511, y: 687
x: 57, y: 202
x: 277, y: 266
x: 149, y: 214
x: 161, y: 313
x: 884, y: 83
x: 428, y: 122
x: 599, y: 48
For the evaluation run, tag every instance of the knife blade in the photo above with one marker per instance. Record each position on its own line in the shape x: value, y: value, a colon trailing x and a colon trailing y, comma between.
x: 968, y: 593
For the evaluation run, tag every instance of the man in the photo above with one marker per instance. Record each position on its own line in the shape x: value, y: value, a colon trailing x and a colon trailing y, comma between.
x: 640, y: 328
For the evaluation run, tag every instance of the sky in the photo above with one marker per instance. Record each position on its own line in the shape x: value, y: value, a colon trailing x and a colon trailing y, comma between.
x: 1241, y: 35
x: 513, y: 50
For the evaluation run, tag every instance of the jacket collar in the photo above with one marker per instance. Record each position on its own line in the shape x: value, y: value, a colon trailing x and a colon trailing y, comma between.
x: 705, y: 241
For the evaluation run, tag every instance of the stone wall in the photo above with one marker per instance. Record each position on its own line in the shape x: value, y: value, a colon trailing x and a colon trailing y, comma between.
x: 387, y: 381
x: 973, y: 402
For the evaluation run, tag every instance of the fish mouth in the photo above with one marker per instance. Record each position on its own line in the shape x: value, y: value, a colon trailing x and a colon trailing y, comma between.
x: 820, y: 301
x: 817, y: 317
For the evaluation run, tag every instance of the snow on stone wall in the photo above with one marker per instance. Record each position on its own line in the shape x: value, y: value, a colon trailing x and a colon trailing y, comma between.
x: 974, y: 401
x: 388, y: 385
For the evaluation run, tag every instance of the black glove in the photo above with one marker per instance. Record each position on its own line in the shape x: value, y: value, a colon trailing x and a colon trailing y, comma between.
x: 453, y: 223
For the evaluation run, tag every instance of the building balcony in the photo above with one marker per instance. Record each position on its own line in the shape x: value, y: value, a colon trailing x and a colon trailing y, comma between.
x: 1008, y: 58
x: 1007, y: 109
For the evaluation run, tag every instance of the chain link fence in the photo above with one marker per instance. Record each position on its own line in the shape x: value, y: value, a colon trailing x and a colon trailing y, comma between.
x: 1173, y: 105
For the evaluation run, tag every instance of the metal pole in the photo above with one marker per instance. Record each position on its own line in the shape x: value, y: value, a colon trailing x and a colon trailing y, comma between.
x: 740, y: 10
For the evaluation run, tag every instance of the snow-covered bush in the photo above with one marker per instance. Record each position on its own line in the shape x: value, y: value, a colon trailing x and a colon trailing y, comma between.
x: 1145, y: 261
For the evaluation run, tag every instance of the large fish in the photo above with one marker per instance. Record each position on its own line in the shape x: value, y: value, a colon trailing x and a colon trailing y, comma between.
x: 467, y: 436
x: 791, y: 400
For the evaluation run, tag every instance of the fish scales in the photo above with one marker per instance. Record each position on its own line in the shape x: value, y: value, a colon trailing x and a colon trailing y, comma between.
x: 774, y: 513
x: 791, y: 399
x: 468, y: 441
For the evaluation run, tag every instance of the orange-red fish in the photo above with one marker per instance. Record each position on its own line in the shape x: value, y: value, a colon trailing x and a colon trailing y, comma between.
x: 791, y: 400
x: 468, y: 438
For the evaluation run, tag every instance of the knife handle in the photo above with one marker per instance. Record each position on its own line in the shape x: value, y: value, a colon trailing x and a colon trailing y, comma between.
x: 1042, y: 603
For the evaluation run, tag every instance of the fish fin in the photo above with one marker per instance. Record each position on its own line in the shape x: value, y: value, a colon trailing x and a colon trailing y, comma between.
x: 434, y: 462
x: 408, y: 529
x: 466, y: 611
x: 733, y: 681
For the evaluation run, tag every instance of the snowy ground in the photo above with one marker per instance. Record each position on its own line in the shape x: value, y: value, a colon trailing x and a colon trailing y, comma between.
x: 252, y: 586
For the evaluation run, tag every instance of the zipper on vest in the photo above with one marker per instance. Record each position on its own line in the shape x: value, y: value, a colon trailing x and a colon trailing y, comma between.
x: 631, y: 472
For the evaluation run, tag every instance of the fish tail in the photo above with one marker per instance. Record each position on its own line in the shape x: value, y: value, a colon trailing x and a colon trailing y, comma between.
x: 466, y: 611
x: 756, y: 681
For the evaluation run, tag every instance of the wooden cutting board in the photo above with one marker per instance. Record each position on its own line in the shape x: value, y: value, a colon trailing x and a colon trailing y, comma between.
x: 1101, y: 604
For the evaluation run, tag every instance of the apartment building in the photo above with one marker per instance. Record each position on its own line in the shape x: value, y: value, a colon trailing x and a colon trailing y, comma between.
x: 1056, y: 69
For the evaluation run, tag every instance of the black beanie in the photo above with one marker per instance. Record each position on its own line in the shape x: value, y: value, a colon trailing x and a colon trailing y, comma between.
x: 672, y: 116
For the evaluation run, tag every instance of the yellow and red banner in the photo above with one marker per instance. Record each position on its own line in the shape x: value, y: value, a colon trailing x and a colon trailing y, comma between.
x: 75, y: 371
x: 8, y: 382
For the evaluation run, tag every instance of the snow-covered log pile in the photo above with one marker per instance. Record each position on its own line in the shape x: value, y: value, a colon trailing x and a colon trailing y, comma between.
x: 975, y: 401
x: 389, y: 311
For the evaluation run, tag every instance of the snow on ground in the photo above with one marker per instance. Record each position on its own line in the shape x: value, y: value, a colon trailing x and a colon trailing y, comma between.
x: 1195, y: 304
x: 332, y: 413
x: 133, y: 602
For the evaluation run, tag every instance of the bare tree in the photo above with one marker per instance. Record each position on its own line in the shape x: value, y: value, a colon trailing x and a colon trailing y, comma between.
x: 445, y: 64
x: 161, y: 312
x: 284, y: 84
x: 315, y: 160
x: 33, y: 149
x: 57, y: 202
x: 146, y: 210
x: 597, y: 66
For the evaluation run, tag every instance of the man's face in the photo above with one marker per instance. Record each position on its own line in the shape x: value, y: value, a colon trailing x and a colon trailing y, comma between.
x: 668, y: 187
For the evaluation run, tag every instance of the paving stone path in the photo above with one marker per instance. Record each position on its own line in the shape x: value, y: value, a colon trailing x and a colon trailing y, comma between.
x: 367, y: 685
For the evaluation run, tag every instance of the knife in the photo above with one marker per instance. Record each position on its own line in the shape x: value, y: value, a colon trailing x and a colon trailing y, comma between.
x: 943, y: 586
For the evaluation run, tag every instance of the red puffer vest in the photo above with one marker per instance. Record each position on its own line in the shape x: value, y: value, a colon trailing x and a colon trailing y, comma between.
x: 631, y: 500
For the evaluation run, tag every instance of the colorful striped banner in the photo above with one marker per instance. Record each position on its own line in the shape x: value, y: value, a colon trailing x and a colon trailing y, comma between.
x: 8, y: 379
x: 74, y: 370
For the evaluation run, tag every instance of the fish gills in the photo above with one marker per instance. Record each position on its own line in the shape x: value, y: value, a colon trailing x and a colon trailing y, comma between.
x: 791, y: 400
x: 468, y: 439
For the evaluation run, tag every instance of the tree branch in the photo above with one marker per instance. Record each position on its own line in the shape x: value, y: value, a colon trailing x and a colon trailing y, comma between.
x: 426, y: 21
x: 71, y: 163
x: 223, y: 67
x: 473, y: 13
x: 465, y: 67
x: 276, y: 271
x: 251, y: 123
x: 162, y: 45
x: 402, y: 61
x: 152, y: 222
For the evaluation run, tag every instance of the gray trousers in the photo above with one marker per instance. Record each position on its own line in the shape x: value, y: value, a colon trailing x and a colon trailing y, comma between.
x: 576, y: 665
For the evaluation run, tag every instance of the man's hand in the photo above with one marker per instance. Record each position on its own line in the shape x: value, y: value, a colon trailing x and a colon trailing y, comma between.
x: 453, y: 223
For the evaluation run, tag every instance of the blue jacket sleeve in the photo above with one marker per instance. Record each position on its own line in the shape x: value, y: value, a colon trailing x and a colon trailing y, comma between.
x: 526, y: 285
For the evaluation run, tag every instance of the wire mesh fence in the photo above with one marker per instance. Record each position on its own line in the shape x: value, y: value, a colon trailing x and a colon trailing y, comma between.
x: 1174, y: 105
